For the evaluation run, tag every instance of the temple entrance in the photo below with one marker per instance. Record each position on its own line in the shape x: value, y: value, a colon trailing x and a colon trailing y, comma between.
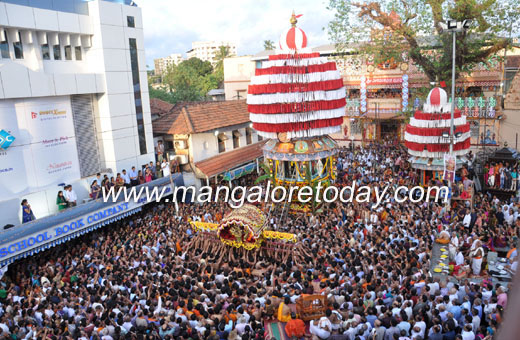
x: 388, y: 129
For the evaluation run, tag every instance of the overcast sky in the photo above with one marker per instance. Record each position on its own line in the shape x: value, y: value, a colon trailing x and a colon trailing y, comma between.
x: 171, y: 25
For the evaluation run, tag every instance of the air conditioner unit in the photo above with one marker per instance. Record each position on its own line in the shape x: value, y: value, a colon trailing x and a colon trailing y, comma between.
x: 180, y: 144
x: 182, y: 159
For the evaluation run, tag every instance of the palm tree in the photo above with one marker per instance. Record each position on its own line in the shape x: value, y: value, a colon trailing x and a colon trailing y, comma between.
x: 268, y: 45
x: 222, y: 53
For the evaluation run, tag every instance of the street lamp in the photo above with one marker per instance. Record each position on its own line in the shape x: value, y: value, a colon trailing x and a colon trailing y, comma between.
x: 454, y: 27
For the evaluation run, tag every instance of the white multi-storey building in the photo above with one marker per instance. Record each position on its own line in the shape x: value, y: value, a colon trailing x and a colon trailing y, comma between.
x: 73, y: 98
x: 205, y: 50
x: 162, y: 64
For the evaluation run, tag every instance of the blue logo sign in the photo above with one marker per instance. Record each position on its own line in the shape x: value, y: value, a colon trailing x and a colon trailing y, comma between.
x: 63, y: 230
x: 5, y: 139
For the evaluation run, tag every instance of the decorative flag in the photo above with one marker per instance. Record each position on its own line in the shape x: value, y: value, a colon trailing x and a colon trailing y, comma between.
x: 363, y: 97
x: 404, y: 83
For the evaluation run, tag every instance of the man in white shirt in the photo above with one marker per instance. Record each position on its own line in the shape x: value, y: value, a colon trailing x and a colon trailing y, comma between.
x: 70, y: 196
x: 459, y: 258
x: 165, y: 168
x: 323, y: 327
x: 514, y: 265
x: 126, y: 178
x: 467, y: 219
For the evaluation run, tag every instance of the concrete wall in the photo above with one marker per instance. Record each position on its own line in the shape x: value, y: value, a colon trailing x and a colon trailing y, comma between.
x: 104, y: 71
x: 510, y: 126
x: 237, y: 75
x: 116, y: 117
x: 205, y: 145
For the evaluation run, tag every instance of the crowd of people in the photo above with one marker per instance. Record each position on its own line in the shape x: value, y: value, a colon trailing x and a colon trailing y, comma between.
x: 501, y: 176
x: 140, y: 278
x: 133, y: 177
x: 67, y: 197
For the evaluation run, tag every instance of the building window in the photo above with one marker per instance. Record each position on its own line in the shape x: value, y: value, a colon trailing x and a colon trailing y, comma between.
x: 77, y: 50
x: 130, y: 21
x: 249, y: 136
x: 18, y: 47
x: 4, y: 45
x: 236, y: 139
x: 260, y: 138
x: 134, y: 61
x: 57, y: 52
x: 46, y: 52
x: 222, y: 143
x: 68, y: 52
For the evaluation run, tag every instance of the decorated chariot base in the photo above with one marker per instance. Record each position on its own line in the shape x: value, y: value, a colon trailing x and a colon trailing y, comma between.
x: 302, y: 162
x: 241, y: 231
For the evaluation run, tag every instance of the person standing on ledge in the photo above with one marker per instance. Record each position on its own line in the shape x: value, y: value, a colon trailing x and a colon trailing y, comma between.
x: 27, y: 213
x: 61, y: 202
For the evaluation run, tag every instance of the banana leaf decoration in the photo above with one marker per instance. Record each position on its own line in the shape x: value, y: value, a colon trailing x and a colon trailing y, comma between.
x: 268, y: 173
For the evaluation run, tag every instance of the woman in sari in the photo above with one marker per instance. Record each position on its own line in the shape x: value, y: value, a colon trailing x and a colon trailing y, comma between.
x: 95, y: 190
x: 27, y: 213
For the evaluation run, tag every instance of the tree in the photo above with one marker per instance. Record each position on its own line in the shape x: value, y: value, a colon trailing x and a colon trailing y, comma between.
x: 163, y: 95
x: 222, y: 53
x: 389, y: 29
x: 268, y: 45
x: 190, y: 80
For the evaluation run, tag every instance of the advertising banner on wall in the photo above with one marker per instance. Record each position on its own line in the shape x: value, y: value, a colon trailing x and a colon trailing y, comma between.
x: 449, y: 167
x: 43, y: 152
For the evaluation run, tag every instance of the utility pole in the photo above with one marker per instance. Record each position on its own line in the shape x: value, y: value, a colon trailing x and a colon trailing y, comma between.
x: 454, y: 33
x: 453, y: 26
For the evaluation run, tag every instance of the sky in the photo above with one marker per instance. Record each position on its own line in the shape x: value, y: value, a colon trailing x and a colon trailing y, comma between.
x: 171, y: 25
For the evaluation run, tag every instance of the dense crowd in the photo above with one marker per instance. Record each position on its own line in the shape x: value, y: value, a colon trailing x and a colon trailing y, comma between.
x: 67, y: 197
x: 141, y: 279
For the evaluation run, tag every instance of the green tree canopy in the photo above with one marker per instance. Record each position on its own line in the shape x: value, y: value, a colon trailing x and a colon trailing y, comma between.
x: 404, y: 29
x: 190, y: 80
x: 222, y: 53
x: 268, y: 45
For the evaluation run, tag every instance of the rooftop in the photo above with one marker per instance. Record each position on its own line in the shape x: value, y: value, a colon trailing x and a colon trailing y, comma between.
x: 160, y: 107
x: 200, y: 117
x: 231, y: 159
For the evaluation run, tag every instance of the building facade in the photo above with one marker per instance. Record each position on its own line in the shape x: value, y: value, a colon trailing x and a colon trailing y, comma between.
x: 381, y: 98
x: 237, y: 75
x: 162, y: 64
x: 212, y: 141
x: 206, y: 50
x: 73, y: 98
